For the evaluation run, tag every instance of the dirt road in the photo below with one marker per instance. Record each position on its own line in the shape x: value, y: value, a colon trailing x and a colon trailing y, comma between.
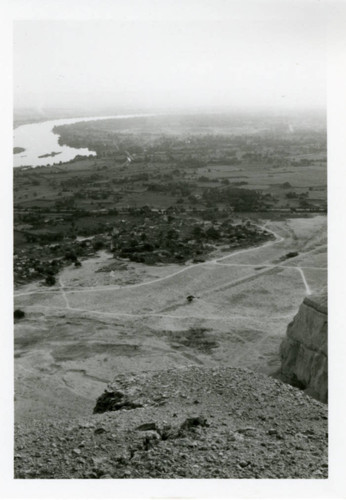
x: 76, y: 336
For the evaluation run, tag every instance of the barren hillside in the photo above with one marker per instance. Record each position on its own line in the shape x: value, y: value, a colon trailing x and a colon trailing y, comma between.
x: 183, y: 423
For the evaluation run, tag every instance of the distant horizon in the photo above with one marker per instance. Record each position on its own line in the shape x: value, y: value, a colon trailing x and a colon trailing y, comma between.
x: 114, y: 109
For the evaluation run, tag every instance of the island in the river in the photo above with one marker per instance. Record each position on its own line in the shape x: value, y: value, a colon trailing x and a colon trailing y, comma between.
x: 18, y: 150
x: 47, y: 155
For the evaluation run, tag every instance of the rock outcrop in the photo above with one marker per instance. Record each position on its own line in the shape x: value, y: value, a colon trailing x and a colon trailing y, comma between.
x: 193, y: 422
x: 304, y: 351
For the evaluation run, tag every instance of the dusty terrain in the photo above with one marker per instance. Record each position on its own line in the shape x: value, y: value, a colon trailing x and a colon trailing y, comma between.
x: 192, y: 423
x: 95, y: 326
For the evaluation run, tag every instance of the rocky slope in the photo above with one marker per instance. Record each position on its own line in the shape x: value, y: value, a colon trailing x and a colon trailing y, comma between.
x: 183, y: 423
x: 304, y: 351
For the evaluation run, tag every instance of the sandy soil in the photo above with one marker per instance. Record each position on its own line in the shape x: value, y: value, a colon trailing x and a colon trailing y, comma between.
x: 103, y: 320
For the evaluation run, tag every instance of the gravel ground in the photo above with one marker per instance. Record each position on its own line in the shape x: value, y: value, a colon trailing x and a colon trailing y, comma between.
x: 183, y: 423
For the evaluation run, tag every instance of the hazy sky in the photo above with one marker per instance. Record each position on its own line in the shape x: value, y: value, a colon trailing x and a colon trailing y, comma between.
x: 262, y: 57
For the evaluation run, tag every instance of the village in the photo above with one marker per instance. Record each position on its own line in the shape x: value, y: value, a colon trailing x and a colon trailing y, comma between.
x: 150, y: 236
x: 156, y: 196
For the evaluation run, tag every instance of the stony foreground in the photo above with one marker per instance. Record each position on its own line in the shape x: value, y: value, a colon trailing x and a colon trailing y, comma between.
x: 183, y: 423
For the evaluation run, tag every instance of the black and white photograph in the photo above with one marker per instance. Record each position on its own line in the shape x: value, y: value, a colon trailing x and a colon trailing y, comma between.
x: 170, y: 242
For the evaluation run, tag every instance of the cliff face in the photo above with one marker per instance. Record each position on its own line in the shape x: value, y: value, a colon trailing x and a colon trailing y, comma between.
x: 304, y: 351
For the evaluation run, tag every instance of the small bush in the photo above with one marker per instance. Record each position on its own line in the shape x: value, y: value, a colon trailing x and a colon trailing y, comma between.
x: 70, y: 255
x: 290, y: 255
x: 98, y: 245
x: 19, y: 314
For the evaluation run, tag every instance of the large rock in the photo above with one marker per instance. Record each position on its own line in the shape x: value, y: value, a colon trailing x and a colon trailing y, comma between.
x: 304, y: 351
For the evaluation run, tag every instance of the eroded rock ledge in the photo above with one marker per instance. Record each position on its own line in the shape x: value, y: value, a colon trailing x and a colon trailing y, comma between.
x: 304, y: 351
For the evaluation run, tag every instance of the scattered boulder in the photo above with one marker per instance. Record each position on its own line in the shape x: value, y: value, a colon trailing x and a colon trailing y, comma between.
x: 114, y: 401
x: 193, y: 422
x: 99, y: 430
x: 151, y: 426
x: 151, y: 439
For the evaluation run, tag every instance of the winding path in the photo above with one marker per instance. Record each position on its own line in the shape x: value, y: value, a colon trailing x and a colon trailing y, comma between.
x: 215, y: 261
x: 157, y: 280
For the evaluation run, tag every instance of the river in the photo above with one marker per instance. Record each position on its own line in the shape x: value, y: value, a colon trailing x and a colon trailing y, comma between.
x: 38, y: 139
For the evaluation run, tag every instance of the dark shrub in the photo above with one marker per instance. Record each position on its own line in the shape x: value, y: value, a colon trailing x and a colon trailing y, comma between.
x: 18, y: 314
x: 70, y: 255
x: 213, y: 233
x: 290, y: 255
x: 98, y: 245
x: 50, y: 280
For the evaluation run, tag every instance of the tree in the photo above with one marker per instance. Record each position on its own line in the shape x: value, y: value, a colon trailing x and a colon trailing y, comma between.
x: 98, y: 245
x: 50, y: 280
x: 172, y: 234
x: 197, y: 232
x: 213, y: 233
x: 70, y: 255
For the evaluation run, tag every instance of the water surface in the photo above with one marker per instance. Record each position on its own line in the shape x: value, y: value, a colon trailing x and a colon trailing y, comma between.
x: 38, y: 139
